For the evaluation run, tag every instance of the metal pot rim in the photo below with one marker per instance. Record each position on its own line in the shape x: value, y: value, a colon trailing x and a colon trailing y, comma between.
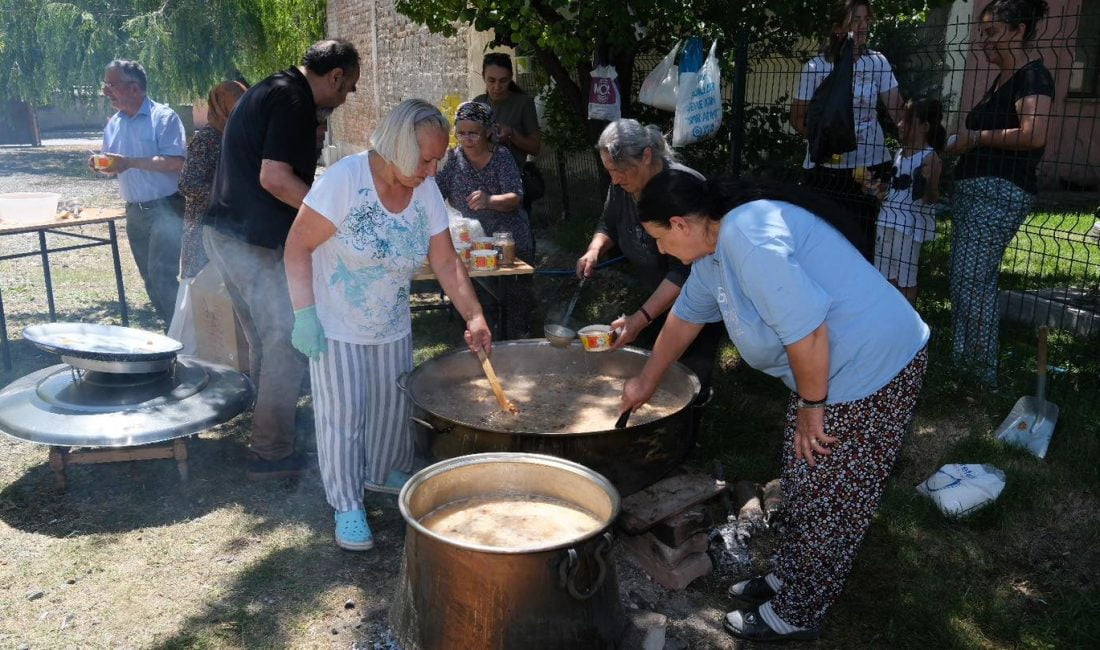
x: 405, y: 383
x: 145, y: 346
x: 449, y: 464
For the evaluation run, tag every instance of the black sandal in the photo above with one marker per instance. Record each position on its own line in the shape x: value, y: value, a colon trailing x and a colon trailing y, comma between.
x: 756, y: 591
x: 754, y: 628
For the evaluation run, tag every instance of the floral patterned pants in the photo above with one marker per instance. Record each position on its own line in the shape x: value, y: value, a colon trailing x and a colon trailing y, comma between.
x: 828, y: 508
x: 986, y: 214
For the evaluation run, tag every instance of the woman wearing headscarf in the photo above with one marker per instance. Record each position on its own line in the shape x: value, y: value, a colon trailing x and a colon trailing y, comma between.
x: 481, y: 180
x: 196, y: 178
x: 365, y: 228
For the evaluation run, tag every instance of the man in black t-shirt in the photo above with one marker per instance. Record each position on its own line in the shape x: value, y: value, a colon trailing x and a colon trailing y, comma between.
x: 268, y: 159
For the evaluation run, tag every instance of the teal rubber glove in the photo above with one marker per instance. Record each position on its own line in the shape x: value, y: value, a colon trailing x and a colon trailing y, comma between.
x: 308, y: 336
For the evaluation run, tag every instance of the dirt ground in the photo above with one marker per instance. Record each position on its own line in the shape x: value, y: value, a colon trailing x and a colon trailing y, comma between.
x: 131, y: 557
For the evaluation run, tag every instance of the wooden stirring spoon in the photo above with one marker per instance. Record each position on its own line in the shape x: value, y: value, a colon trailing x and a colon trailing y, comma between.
x: 505, y: 405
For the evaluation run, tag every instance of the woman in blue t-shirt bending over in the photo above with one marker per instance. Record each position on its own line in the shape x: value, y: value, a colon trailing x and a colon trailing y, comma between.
x: 801, y: 304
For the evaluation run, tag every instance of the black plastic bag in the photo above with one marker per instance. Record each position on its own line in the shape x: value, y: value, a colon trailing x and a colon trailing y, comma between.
x: 829, y: 119
x: 534, y: 185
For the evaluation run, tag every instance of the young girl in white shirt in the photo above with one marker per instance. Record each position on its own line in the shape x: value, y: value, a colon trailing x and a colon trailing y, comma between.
x: 908, y: 216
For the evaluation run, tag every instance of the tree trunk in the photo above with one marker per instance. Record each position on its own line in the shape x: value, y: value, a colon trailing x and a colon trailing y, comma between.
x: 32, y: 122
x: 624, y: 66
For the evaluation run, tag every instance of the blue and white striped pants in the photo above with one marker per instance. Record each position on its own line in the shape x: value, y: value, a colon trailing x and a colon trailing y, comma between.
x: 986, y: 212
x: 362, y: 418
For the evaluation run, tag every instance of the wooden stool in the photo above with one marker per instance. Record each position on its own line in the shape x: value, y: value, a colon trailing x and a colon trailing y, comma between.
x: 62, y: 457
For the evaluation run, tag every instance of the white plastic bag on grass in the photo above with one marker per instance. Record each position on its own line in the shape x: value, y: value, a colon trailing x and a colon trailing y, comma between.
x: 698, y: 103
x: 659, y: 88
x: 958, y: 490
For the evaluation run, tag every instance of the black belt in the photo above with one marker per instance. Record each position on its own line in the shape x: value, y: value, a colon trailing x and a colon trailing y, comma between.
x: 149, y: 205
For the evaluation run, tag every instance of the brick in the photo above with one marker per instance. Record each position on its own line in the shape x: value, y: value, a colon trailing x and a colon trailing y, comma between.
x: 645, y: 631
x: 773, y: 498
x: 672, y: 555
x: 643, y: 510
x: 694, y: 565
x: 677, y: 529
x: 747, y: 498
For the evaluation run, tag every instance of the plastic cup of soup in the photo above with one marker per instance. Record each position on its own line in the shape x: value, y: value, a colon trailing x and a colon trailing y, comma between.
x: 483, y: 260
x: 102, y: 162
x: 463, y: 250
x: 596, y: 338
x: 483, y: 243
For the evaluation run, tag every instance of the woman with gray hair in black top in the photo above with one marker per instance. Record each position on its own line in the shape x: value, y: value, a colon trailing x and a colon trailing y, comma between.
x: 633, y: 154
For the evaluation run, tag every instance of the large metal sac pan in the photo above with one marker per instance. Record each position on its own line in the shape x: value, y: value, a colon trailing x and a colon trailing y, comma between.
x: 101, y: 342
x: 54, y: 407
x: 631, y: 458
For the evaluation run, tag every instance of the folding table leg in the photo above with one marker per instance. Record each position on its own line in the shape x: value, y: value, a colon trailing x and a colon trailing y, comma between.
x: 5, y: 351
x: 118, y: 274
x: 45, y: 252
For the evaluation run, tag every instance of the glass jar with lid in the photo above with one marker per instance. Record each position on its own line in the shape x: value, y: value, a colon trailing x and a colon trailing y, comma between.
x: 505, y: 246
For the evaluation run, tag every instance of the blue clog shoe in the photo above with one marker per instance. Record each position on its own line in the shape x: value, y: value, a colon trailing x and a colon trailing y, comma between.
x: 395, y: 480
x: 352, y: 531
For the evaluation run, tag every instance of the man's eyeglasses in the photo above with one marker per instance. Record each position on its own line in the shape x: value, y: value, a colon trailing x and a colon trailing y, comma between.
x: 112, y: 86
x: 468, y: 135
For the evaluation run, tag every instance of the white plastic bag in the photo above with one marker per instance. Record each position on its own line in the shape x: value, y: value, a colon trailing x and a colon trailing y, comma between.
x: 462, y: 229
x: 182, y: 327
x: 958, y: 490
x: 659, y: 88
x: 604, y: 102
x: 698, y: 103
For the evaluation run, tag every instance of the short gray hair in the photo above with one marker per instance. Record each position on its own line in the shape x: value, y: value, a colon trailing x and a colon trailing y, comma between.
x: 395, y: 137
x: 130, y: 71
x: 626, y: 140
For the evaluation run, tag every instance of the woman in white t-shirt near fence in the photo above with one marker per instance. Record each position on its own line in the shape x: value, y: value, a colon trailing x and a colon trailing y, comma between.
x: 872, y: 80
x: 908, y: 215
x: 363, y: 231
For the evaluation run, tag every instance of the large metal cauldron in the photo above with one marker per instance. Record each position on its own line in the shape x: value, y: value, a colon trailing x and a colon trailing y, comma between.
x: 456, y: 595
x: 631, y: 458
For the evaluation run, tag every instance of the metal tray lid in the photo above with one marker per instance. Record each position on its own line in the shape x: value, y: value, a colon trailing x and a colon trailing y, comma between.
x: 101, y: 342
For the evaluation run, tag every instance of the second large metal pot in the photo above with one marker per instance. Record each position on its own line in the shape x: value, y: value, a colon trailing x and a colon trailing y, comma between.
x: 632, y: 457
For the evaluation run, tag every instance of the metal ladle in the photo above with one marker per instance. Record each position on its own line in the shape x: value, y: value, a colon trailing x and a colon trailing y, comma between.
x: 561, y: 336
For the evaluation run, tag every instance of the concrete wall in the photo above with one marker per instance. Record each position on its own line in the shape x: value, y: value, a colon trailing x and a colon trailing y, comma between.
x: 401, y: 60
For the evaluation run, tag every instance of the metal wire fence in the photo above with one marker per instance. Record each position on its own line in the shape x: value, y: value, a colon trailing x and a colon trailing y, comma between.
x: 994, y: 235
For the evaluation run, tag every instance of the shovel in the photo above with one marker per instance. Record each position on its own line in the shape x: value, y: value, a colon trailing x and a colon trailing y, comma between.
x: 1031, y: 421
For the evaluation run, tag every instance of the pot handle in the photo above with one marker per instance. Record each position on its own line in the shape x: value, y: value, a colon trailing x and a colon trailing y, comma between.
x: 567, y: 569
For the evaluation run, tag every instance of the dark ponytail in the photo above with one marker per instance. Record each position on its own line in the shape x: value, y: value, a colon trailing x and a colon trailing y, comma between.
x: 1017, y: 12
x: 501, y: 60
x: 930, y: 112
x: 674, y: 193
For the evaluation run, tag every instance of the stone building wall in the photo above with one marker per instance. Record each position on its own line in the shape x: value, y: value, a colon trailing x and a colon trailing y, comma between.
x: 400, y: 60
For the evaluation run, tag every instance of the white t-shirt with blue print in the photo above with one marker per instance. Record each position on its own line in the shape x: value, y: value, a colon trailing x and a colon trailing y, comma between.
x: 361, y: 275
x: 777, y: 274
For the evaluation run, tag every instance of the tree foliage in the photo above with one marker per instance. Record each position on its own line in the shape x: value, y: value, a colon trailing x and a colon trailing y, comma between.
x: 566, y: 35
x: 51, y: 49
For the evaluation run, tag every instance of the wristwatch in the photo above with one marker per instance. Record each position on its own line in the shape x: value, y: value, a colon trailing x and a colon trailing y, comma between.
x: 804, y: 403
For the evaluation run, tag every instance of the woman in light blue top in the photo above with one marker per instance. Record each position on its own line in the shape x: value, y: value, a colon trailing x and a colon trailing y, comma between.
x: 777, y: 266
